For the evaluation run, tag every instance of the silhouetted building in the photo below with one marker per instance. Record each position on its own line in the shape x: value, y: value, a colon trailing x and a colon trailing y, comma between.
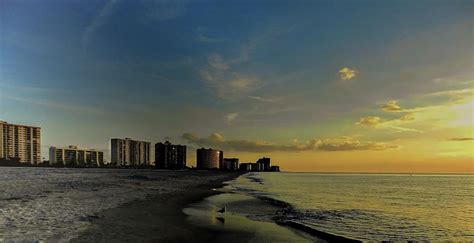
x: 246, y: 166
x: 21, y: 143
x: 208, y: 158
x: 169, y: 156
x: 263, y: 164
x: 230, y: 164
x: 129, y: 153
x: 275, y: 168
x: 72, y: 156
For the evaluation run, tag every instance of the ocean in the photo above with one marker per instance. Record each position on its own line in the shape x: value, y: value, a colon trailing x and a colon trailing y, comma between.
x: 368, y: 207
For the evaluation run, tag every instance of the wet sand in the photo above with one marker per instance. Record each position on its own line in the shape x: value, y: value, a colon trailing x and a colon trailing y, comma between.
x: 159, y: 217
x: 237, y: 223
x: 187, y: 213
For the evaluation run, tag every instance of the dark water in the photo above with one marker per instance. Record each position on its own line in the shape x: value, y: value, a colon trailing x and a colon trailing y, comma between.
x: 371, y: 206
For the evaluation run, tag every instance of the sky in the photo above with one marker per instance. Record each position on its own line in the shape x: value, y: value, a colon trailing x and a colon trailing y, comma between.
x: 326, y: 86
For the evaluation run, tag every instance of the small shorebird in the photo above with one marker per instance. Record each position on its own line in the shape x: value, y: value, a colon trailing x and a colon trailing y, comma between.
x: 222, y: 210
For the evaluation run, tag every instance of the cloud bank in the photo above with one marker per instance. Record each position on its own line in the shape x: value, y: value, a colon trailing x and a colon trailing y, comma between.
x: 460, y: 139
x: 218, y: 141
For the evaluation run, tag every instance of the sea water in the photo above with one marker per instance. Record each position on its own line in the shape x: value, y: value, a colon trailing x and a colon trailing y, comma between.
x: 49, y: 204
x: 370, y: 207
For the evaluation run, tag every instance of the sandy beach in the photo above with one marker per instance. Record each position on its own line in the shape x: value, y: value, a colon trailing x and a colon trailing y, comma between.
x: 121, y: 205
x: 183, y: 216
x: 159, y: 217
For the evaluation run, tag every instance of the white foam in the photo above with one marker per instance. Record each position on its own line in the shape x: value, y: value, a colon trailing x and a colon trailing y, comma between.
x: 55, y: 204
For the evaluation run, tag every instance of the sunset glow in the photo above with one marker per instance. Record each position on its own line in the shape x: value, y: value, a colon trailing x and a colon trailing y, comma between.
x: 340, y: 87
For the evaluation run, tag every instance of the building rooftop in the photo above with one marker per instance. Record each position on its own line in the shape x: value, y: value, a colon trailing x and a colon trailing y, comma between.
x: 4, y: 122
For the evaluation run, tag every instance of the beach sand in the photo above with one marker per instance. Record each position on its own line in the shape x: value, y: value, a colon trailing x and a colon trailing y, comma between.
x: 237, y: 223
x: 166, y: 217
x: 160, y: 216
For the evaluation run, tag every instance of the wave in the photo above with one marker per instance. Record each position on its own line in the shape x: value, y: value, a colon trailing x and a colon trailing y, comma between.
x: 312, y: 231
x: 287, y: 215
x: 252, y: 177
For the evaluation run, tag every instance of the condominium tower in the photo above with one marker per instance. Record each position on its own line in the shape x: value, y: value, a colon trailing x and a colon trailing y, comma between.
x: 20, y: 142
x: 209, y: 158
x: 129, y: 153
x: 230, y: 164
x: 75, y: 157
x: 170, y: 156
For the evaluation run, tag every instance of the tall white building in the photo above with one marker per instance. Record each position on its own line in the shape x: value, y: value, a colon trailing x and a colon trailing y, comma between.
x: 129, y: 153
x: 75, y: 157
x: 20, y: 142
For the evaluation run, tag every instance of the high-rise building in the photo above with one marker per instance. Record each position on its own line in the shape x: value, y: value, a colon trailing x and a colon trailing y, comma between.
x: 246, y: 166
x: 263, y: 164
x: 72, y: 156
x: 230, y: 164
x: 20, y: 142
x: 130, y: 153
x: 275, y: 168
x: 170, y: 156
x: 208, y: 158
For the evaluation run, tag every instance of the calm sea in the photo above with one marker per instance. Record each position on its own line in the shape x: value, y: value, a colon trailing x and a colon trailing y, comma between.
x: 371, y: 206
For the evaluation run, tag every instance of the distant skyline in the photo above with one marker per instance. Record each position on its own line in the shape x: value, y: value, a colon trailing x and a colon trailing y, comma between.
x: 348, y: 86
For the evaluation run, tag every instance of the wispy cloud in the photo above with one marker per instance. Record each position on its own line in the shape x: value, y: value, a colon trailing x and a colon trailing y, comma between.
x: 349, y: 144
x: 216, y: 140
x: 56, y: 105
x: 347, y: 74
x: 454, y: 96
x: 98, y: 21
x: 229, y: 118
x: 270, y: 100
x: 30, y: 89
x: 216, y: 61
x: 442, y: 100
x: 229, y: 85
x: 162, y: 10
x: 393, y: 124
x: 460, y: 139
x: 201, y: 36
x: 225, y: 74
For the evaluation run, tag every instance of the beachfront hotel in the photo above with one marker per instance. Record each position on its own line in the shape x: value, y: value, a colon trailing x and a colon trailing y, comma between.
x: 262, y: 165
x: 209, y: 158
x: 72, y: 156
x: 170, y: 156
x: 20, y: 142
x: 230, y: 164
x: 129, y: 153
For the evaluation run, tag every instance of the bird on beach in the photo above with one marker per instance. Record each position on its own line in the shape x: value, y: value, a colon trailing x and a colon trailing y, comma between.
x: 222, y: 210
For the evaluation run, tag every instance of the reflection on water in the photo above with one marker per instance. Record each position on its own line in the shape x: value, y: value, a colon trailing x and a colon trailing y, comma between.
x: 371, y: 206
x: 234, y: 220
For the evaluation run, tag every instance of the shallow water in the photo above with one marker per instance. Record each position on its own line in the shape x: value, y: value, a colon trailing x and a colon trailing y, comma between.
x: 371, y: 206
x: 234, y: 225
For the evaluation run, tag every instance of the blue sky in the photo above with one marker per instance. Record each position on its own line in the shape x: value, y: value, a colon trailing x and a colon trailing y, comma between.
x: 247, y: 70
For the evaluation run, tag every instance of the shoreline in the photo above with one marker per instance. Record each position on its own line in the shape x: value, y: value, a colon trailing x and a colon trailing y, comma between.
x: 157, y: 218
x: 245, y: 217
